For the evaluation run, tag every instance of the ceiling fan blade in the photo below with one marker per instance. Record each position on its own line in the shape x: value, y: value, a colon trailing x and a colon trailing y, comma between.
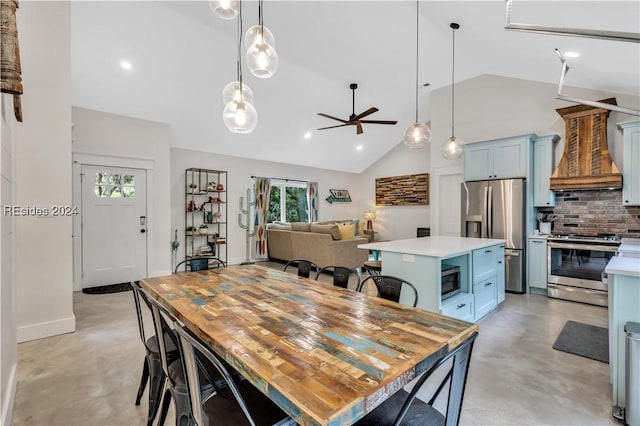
x: 364, y: 114
x: 331, y: 117
x: 333, y: 127
x: 359, y: 130
x: 379, y: 121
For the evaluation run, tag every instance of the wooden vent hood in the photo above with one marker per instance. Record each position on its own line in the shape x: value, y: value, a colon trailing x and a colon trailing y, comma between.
x: 585, y: 162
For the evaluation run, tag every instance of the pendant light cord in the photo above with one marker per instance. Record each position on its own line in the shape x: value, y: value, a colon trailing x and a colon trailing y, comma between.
x: 239, y: 58
x: 454, y: 26
x: 417, y: 52
x: 261, y: 20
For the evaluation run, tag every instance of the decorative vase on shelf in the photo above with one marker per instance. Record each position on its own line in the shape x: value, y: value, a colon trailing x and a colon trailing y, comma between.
x: 217, y: 216
x: 220, y: 187
x: 204, y: 229
x: 209, y: 218
x: 192, y: 206
x: 211, y: 186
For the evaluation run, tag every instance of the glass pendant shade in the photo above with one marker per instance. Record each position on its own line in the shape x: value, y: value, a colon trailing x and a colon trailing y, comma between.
x: 225, y: 9
x: 240, y: 117
x: 417, y: 136
x: 452, y: 148
x: 254, y: 36
x: 231, y: 92
x: 262, y: 60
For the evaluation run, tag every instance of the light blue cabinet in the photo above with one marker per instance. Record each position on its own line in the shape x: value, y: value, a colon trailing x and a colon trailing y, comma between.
x: 631, y: 162
x: 537, y: 265
x: 484, y: 264
x: 459, y: 306
x: 497, y: 159
x: 500, y: 277
x: 484, y: 278
x: 485, y: 297
x: 543, y: 163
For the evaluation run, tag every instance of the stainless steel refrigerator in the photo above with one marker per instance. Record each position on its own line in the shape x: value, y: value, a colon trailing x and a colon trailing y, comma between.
x: 497, y: 209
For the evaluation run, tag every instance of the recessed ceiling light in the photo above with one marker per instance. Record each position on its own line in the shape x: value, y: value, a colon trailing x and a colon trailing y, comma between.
x: 571, y: 54
x: 359, y: 148
x: 307, y: 135
x: 126, y: 65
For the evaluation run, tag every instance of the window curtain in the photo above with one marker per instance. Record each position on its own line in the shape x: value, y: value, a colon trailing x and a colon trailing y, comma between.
x: 312, y: 199
x: 262, y: 191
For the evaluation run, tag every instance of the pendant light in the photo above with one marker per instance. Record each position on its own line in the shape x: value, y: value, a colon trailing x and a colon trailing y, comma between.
x: 262, y: 58
x: 225, y: 9
x: 239, y: 115
x: 418, y: 134
x: 452, y: 147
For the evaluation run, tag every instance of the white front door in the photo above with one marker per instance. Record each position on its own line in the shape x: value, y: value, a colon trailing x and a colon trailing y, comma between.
x: 114, y: 215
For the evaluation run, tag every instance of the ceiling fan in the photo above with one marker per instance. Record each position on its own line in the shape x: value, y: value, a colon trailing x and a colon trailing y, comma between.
x: 356, y: 120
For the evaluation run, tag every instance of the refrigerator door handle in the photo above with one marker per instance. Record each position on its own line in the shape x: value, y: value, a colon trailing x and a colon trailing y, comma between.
x: 484, y: 233
x: 490, y: 213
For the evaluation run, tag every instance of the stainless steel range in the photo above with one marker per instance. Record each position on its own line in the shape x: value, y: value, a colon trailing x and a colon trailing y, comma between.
x: 576, y: 266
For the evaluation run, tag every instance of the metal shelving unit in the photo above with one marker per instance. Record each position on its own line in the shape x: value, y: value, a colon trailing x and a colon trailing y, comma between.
x: 206, y: 213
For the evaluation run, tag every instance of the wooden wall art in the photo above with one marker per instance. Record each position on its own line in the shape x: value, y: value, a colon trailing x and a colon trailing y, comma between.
x: 11, y: 78
x: 407, y: 190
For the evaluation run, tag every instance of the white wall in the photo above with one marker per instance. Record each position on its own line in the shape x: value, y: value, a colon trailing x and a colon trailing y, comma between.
x: 491, y: 107
x: 119, y: 139
x: 396, y: 222
x: 8, y: 352
x: 240, y: 171
x: 43, y: 174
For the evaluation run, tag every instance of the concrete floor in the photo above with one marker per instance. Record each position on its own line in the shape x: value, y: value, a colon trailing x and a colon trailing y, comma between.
x: 90, y: 377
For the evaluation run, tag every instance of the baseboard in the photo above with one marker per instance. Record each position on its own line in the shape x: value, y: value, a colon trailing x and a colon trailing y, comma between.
x: 46, y: 329
x: 7, y: 407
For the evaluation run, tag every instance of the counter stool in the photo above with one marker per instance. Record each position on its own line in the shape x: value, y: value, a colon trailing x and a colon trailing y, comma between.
x: 373, y: 267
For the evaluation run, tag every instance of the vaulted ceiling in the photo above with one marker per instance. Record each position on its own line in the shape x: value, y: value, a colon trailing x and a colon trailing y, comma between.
x: 182, y: 56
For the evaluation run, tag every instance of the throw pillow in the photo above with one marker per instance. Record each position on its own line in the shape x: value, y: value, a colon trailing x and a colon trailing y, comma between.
x: 300, y: 226
x: 346, y: 231
x: 326, y: 229
x: 356, y: 228
x: 361, y: 228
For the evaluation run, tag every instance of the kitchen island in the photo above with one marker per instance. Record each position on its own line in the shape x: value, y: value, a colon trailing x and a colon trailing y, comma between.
x: 421, y: 261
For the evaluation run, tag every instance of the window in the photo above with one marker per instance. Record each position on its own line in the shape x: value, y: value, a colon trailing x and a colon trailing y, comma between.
x: 115, y: 185
x: 288, y: 202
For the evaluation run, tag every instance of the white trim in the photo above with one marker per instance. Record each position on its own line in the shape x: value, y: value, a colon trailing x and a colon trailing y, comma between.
x: 112, y: 161
x: 7, y: 408
x: 46, y: 329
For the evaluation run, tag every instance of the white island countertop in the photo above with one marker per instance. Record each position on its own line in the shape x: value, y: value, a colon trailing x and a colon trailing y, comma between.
x: 624, y: 265
x: 438, y: 246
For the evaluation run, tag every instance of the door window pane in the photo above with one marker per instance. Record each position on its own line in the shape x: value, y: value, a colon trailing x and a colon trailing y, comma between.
x: 114, y: 185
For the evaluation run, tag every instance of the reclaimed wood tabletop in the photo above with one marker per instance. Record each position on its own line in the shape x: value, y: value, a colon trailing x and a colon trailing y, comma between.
x: 325, y: 355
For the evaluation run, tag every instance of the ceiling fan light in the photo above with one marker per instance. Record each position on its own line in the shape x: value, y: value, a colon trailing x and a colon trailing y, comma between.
x: 262, y: 60
x: 240, y: 117
x: 452, y: 148
x: 417, y: 136
x: 225, y: 9
x: 231, y: 92
x: 254, y: 36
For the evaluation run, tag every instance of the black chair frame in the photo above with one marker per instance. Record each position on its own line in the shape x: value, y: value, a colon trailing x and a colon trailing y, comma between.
x: 341, y: 275
x: 389, y: 287
x: 200, y: 263
x: 304, y: 267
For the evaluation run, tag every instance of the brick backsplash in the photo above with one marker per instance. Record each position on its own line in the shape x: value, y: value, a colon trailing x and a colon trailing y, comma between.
x: 592, y: 213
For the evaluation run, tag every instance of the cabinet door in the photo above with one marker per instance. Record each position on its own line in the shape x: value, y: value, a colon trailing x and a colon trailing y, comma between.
x: 631, y: 160
x: 500, y: 277
x: 485, y: 297
x: 460, y: 307
x: 478, y: 162
x: 484, y: 263
x: 542, y: 170
x: 509, y: 159
x: 537, y: 263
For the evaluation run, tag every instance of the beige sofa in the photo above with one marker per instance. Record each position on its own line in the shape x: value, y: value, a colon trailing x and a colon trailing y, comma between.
x: 321, y: 244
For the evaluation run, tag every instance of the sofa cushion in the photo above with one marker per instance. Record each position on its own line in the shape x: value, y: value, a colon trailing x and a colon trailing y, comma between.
x: 280, y: 226
x: 346, y: 231
x: 300, y: 226
x: 326, y: 229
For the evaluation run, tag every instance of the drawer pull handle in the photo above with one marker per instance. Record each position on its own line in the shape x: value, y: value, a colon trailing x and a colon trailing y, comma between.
x: 487, y: 284
x: 462, y: 305
x: 488, y: 251
x: 536, y: 242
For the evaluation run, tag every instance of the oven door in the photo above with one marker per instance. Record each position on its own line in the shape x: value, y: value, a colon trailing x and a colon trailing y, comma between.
x: 578, y: 265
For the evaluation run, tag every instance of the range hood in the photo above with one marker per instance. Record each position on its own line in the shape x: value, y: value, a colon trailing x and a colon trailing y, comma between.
x: 585, y: 162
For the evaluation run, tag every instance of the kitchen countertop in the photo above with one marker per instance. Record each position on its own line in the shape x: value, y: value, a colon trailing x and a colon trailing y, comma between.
x: 624, y: 265
x: 439, y: 246
x: 629, y: 247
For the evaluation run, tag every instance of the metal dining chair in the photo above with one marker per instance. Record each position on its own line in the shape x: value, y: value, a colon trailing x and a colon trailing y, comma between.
x: 152, y: 372
x: 237, y: 403
x: 389, y: 287
x: 341, y: 275
x: 403, y: 408
x: 201, y: 263
x: 304, y: 267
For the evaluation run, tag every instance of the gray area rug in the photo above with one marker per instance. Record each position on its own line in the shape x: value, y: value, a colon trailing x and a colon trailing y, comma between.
x: 584, y: 340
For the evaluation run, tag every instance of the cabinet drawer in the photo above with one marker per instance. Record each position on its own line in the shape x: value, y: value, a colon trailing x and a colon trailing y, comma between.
x: 485, y: 297
x: 459, y: 306
x: 484, y: 263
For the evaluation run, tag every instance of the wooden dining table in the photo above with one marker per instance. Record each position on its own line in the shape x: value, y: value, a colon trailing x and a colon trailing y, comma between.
x: 325, y: 355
